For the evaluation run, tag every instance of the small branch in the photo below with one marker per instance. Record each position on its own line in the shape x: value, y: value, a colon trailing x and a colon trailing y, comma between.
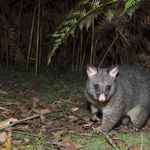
x: 108, y: 49
x: 2, y: 108
x: 114, y: 145
x: 29, y: 118
x: 141, y: 141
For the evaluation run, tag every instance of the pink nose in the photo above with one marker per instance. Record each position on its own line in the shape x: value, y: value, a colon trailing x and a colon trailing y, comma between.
x: 102, y: 97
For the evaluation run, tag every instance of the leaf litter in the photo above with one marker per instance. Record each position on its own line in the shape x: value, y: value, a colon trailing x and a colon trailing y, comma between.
x: 26, y: 107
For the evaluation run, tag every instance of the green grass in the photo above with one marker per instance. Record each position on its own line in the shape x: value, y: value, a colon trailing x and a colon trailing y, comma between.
x: 100, y: 142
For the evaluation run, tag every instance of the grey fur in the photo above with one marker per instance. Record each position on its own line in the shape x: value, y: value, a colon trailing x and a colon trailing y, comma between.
x: 129, y: 95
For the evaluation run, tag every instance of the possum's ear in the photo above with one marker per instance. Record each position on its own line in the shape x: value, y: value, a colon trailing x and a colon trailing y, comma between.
x: 113, y: 71
x: 91, y: 70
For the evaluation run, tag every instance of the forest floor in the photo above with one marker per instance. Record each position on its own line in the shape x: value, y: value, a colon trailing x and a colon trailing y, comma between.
x: 63, y: 116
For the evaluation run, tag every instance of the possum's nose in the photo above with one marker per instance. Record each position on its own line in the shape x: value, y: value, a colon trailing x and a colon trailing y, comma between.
x: 102, y: 97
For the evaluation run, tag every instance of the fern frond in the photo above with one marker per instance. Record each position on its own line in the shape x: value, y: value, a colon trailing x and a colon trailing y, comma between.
x: 57, y: 41
x: 94, y: 3
x: 73, y: 30
x: 57, y: 35
x: 70, y: 22
x: 76, y: 14
x: 109, y: 14
x: 65, y: 29
x: 88, y: 21
x: 130, y: 4
x: 132, y: 9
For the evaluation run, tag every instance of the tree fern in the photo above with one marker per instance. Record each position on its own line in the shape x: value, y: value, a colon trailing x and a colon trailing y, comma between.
x: 76, y: 18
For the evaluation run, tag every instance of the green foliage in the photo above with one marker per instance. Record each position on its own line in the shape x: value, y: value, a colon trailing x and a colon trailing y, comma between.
x: 110, y: 14
x: 76, y: 18
x: 131, y: 6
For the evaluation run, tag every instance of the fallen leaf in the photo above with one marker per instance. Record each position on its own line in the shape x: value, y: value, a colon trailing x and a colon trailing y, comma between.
x: 112, y: 132
x: 77, y: 146
x: 42, y: 130
x: 35, y: 101
x: 78, y: 130
x: 148, y: 122
x: 58, y: 138
x: 23, y: 127
x: 42, y: 103
x: 137, y: 148
x: 117, y: 138
x: 7, y: 122
x: 17, y: 142
x: 49, y: 123
x: 9, y: 112
x: 3, y: 137
x: 24, y: 115
x: 2, y: 108
x: 49, y: 87
x: 21, y: 94
x: 3, y: 92
x: 120, y: 143
x: 27, y: 140
x: 58, y: 133
x: 74, y: 109
x: 71, y: 131
x: 88, y: 124
x: 73, y: 118
x: 7, y: 145
x: 85, y: 134
x: 42, y: 117
x: 67, y: 139
x: 40, y: 110
x: 9, y: 133
x: 86, y: 119
x: 124, y: 130
x: 71, y: 147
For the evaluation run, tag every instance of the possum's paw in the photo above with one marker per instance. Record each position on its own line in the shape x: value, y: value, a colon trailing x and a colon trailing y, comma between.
x: 94, y: 117
x: 136, y: 129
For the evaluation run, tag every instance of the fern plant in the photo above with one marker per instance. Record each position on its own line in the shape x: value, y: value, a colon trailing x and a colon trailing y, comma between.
x: 79, y: 17
x: 76, y: 18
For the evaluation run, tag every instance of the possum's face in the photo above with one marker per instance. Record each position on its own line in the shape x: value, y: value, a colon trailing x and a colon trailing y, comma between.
x: 101, y: 82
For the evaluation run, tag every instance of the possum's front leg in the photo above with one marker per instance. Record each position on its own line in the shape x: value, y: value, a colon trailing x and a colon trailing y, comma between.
x: 110, y: 119
x: 94, y: 112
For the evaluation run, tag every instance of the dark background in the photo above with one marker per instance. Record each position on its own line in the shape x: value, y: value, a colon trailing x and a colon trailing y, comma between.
x: 132, y: 46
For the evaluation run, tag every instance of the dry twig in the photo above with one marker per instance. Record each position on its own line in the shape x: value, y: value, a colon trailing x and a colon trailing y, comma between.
x: 29, y: 118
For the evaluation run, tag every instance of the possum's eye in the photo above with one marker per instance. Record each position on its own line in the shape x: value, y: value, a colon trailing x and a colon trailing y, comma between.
x: 108, y: 87
x: 96, y: 86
